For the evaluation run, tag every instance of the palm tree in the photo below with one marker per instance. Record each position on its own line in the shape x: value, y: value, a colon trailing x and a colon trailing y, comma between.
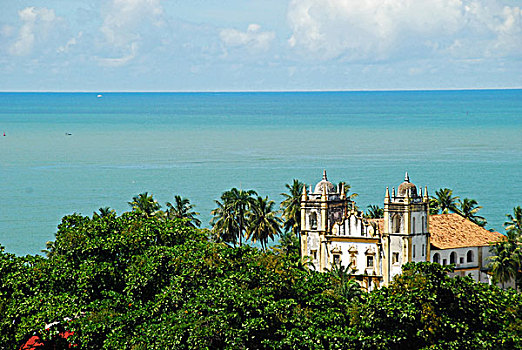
x: 288, y: 245
x: 374, y: 212
x: 515, y: 221
x: 468, y: 209
x: 182, y: 210
x: 224, y: 225
x: 145, y: 205
x: 263, y: 222
x: 514, y: 234
x: 443, y: 202
x: 104, y: 212
x: 505, y: 260
x: 291, y: 207
x: 232, y: 213
x: 240, y: 201
x: 343, y: 283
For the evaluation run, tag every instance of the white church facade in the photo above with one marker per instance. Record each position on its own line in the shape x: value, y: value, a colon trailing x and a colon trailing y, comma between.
x: 334, y: 233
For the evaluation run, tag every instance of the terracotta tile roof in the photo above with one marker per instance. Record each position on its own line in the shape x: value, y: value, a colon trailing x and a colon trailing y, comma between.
x: 453, y: 231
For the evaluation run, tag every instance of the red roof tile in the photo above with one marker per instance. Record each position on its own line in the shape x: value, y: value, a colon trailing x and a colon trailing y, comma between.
x: 453, y: 231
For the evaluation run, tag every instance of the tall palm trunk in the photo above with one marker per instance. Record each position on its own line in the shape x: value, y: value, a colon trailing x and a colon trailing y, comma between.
x: 240, y: 226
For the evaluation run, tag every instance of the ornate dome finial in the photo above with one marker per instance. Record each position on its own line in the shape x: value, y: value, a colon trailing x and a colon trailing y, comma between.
x: 407, y: 189
x: 330, y: 188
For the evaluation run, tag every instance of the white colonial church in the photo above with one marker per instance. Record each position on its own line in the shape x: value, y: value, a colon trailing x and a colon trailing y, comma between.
x: 332, y: 232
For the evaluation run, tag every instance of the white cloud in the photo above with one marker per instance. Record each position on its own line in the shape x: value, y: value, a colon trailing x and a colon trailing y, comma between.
x: 72, y: 42
x: 122, y: 23
x: 253, y: 38
x: 127, y: 24
x: 120, y: 61
x: 37, y: 23
x: 380, y: 29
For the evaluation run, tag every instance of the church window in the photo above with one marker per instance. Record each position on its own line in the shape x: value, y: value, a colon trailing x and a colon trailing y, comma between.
x: 395, y: 258
x: 369, y: 261
x: 313, y: 221
x: 423, y: 224
x: 353, y: 262
x: 337, y: 259
x: 413, y: 249
x: 413, y: 226
x: 436, y: 258
x: 422, y: 252
x: 453, y: 258
x: 397, y: 224
x: 469, y: 256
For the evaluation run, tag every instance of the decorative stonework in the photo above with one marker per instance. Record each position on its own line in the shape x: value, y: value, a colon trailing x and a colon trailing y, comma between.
x: 334, y: 232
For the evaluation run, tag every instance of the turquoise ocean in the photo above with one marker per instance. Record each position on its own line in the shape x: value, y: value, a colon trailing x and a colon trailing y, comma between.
x: 201, y: 144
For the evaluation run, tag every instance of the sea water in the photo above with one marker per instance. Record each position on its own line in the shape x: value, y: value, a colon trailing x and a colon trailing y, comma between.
x: 77, y: 152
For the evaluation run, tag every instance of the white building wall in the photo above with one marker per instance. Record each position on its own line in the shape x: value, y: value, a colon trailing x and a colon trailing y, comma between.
x: 313, y: 243
x: 461, y: 256
x: 419, y: 248
x: 360, y: 256
x: 464, y: 267
x: 486, y: 255
x: 396, y: 247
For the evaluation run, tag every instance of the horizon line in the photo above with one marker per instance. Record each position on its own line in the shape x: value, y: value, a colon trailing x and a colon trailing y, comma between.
x: 260, y: 91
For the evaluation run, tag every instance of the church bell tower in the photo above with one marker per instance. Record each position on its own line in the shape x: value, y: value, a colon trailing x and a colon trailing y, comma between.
x: 405, y: 233
x: 320, y: 209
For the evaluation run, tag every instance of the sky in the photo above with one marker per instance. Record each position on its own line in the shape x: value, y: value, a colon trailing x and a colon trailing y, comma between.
x: 259, y: 45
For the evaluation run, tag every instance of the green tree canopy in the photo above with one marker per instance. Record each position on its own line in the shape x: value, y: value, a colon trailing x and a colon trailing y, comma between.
x: 145, y: 205
x: 182, y: 209
x: 263, y: 222
x: 468, y: 208
x: 515, y: 221
x: 291, y: 206
x: 231, y: 214
x: 141, y: 282
x: 443, y: 202
x: 374, y: 212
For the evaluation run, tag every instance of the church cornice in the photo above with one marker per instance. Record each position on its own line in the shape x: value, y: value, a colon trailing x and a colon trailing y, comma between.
x: 333, y: 238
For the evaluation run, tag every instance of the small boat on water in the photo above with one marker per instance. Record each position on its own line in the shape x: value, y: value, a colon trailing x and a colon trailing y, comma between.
x: 99, y: 96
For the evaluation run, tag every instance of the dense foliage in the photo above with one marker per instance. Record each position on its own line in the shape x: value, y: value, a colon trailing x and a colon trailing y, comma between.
x: 506, y: 262
x: 140, y: 282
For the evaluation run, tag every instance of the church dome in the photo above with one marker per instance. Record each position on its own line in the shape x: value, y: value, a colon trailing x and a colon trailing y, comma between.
x: 405, y: 186
x: 330, y: 188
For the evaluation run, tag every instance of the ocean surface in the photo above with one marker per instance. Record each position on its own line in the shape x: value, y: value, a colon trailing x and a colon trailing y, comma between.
x: 201, y: 144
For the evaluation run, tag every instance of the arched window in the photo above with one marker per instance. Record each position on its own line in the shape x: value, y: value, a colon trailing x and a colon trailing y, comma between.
x: 436, y: 258
x: 469, y: 256
x: 396, y: 224
x: 313, y: 221
x: 453, y: 258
